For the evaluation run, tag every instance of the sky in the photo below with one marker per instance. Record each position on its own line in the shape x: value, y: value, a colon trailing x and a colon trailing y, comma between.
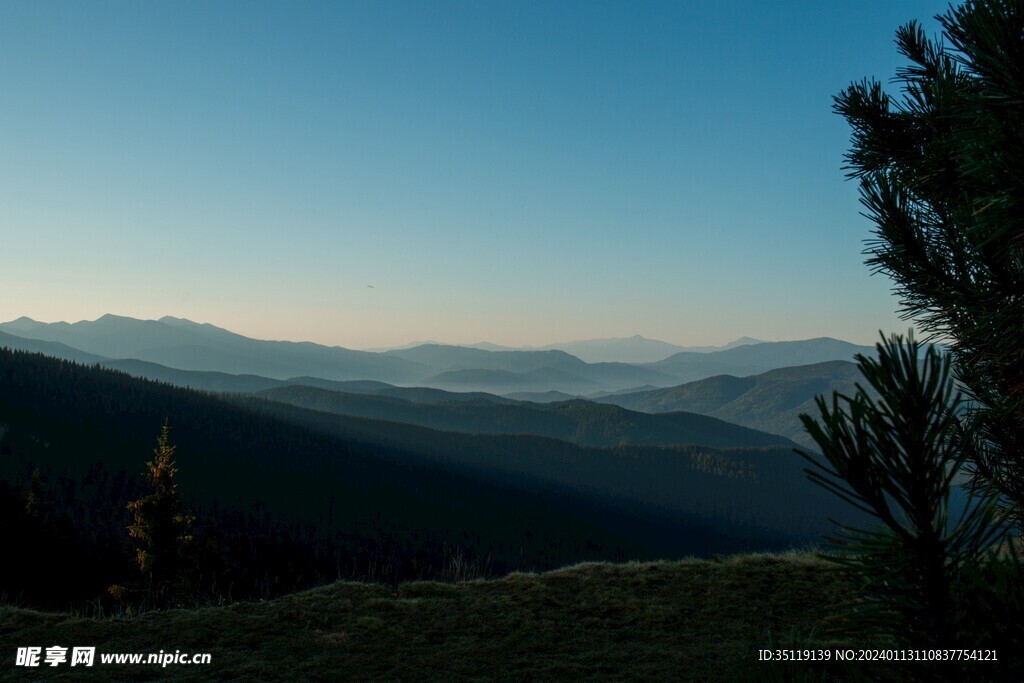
x: 367, y: 174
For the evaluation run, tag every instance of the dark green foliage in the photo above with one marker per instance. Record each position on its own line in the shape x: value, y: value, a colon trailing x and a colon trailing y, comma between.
x: 940, y: 171
x: 926, y: 579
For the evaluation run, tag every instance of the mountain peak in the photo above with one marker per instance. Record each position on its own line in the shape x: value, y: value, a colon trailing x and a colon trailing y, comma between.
x: 172, y: 320
x: 193, y: 326
x: 113, y: 318
x: 24, y: 323
x: 743, y: 341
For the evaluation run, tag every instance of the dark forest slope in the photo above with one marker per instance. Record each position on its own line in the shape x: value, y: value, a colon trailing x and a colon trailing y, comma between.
x: 289, y: 497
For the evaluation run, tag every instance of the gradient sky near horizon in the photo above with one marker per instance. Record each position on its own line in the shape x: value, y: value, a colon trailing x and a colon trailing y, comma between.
x: 372, y: 173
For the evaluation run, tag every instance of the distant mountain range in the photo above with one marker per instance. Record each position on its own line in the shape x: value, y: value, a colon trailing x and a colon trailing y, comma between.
x: 162, y: 349
x: 186, y: 345
x: 461, y: 368
x: 753, y: 359
x: 635, y: 349
x: 769, y: 402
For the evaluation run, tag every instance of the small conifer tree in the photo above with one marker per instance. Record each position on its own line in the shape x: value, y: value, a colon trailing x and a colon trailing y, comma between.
x: 35, y: 501
x: 896, y: 457
x: 160, y: 526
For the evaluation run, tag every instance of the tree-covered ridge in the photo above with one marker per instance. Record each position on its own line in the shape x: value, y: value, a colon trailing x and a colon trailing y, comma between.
x: 286, y: 497
x: 581, y: 422
x: 771, y: 401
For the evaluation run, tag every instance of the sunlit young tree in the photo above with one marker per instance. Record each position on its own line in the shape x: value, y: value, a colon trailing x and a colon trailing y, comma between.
x: 160, y: 526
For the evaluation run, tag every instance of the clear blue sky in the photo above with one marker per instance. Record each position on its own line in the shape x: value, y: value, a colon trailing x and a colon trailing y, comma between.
x: 520, y: 172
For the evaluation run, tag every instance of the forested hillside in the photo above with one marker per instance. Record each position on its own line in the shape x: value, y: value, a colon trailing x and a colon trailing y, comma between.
x: 772, y: 401
x: 581, y: 422
x: 287, y: 498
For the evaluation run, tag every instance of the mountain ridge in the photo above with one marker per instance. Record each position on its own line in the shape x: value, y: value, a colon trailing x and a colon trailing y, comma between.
x: 183, y: 344
x: 577, y: 421
x: 771, y: 401
x: 634, y: 349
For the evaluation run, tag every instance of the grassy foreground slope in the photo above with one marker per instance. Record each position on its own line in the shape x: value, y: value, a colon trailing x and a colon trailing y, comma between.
x: 680, y: 620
